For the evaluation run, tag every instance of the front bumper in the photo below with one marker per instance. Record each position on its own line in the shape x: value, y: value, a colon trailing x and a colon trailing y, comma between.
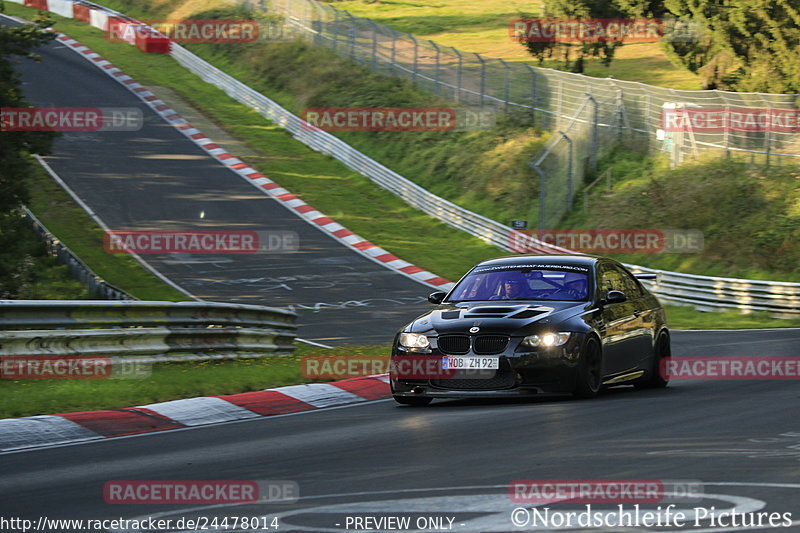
x: 520, y: 373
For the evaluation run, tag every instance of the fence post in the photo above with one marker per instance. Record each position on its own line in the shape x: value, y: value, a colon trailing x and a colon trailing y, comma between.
x: 416, y: 59
x: 533, y: 92
x: 436, y: 72
x: 352, y: 35
x: 542, y: 187
x: 459, y: 75
x: 570, y: 187
x: 394, y: 50
x: 374, y: 45
x: 483, y: 77
x: 593, y: 155
x: 767, y: 136
x: 506, y: 85
x: 335, y: 29
x: 725, y: 135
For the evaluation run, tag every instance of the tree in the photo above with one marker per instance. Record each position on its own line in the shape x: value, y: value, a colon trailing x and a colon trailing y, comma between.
x: 747, y: 45
x: 16, y: 147
x: 573, y: 54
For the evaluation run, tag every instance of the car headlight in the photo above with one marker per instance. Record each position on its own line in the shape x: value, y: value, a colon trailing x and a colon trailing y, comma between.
x: 414, y: 341
x: 546, y: 340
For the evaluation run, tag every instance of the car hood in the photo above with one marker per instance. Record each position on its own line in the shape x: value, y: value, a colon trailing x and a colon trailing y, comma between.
x: 513, y: 317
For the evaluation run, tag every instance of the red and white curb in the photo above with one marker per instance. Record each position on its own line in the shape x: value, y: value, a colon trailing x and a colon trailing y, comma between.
x: 44, y: 430
x: 266, y: 185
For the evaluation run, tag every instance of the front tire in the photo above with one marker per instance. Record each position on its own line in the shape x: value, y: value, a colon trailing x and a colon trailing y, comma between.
x: 589, y: 378
x: 415, y: 402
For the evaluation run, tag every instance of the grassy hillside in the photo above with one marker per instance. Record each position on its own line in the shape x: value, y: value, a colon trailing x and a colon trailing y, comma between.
x: 482, y: 27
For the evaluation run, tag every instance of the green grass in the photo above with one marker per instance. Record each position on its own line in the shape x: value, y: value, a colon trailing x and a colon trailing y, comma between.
x: 169, y: 381
x: 683, y: 317
x: 482, y: 27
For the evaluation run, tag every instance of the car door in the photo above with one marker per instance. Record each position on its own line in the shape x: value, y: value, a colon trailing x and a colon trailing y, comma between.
x: 644, y: 324
x: 619, y: 324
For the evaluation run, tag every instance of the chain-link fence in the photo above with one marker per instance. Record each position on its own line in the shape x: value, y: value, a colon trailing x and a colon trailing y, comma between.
x: 679, y: 122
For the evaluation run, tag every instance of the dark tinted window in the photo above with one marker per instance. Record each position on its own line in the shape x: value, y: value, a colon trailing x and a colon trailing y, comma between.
x: 522, y: 284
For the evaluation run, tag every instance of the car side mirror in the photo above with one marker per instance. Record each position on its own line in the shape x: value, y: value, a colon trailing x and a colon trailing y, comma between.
x: 436, y: 297
x: 614, y: 297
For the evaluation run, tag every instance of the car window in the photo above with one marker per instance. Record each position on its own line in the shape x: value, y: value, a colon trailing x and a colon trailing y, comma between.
x: 611, y: 279
x: 521, y: 284
x: 614, y: 278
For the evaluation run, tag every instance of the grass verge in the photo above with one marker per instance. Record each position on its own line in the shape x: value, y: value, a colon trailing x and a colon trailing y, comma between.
x: 169, y: 381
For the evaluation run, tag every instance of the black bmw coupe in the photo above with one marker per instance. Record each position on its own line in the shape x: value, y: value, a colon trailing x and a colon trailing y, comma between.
x: 530, y: 324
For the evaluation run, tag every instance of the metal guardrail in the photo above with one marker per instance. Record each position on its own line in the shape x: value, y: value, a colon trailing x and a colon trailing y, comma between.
x: 153, y: 331
x: 97, y: 286
x: 782, y: 299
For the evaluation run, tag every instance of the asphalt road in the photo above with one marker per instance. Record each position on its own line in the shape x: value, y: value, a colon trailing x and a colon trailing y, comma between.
x: 156, y: 179
x: 741, y: 440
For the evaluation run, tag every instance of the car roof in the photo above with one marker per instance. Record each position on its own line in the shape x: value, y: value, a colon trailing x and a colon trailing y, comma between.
x: 546, y: 259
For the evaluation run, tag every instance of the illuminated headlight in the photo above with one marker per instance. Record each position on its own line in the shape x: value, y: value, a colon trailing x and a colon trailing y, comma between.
x: 546, y: 340
x: 414, y: 341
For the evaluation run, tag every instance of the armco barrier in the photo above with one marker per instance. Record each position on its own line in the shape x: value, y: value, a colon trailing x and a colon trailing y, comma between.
x: 156, y: 331
x: 782, y: 299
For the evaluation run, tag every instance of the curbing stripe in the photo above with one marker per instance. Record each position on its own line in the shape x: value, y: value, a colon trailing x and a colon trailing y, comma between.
x: 320, y: 394
x: 41, y: 430
x: 36, y: 431
x: 200, y: 411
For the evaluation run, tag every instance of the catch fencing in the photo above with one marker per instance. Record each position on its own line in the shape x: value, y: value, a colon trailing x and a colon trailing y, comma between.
x: 622, y: 110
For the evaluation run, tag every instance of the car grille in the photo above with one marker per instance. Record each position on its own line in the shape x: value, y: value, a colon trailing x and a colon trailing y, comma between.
x: 489, y: 344
x: 454, y: 344
x: 481, y: 344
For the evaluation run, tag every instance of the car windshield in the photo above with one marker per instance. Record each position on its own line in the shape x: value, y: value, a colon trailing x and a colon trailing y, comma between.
x: 489, y: 283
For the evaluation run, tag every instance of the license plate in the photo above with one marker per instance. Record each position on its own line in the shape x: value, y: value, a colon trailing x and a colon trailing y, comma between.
x: 470, y: 363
